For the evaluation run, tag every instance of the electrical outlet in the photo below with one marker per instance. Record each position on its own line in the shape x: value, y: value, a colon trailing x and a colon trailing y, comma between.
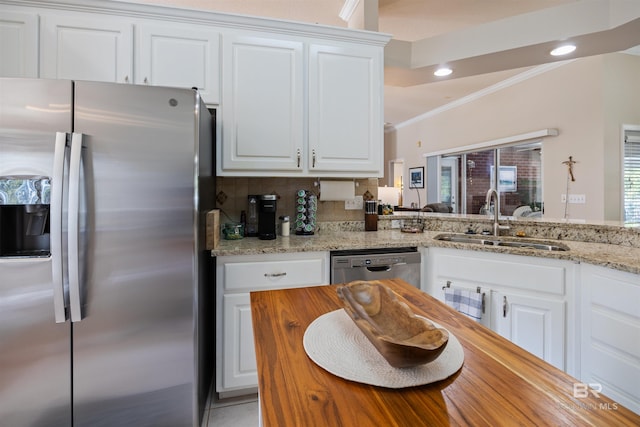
x: 577, y: 198
x: 354, y: 204
x: 574, y: 198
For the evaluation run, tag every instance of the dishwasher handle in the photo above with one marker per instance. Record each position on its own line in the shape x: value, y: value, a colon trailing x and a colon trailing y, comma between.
x: 386, y: 267
x: 379, y: 268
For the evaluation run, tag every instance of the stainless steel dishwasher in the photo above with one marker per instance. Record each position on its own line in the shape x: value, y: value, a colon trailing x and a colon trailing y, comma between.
x: 373, y: 264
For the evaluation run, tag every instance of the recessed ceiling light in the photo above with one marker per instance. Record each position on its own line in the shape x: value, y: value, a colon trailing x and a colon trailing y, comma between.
x: 563, y: 50
x: 444, y: 71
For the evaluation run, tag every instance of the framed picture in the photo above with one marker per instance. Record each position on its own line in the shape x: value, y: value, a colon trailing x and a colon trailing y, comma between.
x: 416, y: 177
x: 507, y: 178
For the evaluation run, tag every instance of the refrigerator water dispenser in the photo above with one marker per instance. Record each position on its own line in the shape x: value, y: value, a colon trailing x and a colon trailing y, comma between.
x: 24, y: 217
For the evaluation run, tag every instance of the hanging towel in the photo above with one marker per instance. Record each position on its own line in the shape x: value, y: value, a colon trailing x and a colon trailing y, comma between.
x: 465, y: 301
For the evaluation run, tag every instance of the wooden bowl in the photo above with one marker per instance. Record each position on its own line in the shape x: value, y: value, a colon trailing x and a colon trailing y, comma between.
x: 404, y: 339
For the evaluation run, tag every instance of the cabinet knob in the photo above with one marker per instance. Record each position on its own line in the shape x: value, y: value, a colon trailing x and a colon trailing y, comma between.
x: 146, y: 81
x: 126, y: 79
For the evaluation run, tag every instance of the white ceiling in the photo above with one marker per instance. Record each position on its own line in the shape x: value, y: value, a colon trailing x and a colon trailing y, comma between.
x: 414, y: 20
x: 420, y: 19
x: 487, y: 41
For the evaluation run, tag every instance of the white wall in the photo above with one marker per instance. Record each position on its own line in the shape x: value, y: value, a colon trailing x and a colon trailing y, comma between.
x: 587, y: 100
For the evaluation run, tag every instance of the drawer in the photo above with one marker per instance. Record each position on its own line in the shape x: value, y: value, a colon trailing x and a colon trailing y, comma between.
x: 293, y: 272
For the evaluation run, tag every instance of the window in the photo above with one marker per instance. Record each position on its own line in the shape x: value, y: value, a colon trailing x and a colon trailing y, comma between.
x: 519, y: 177
x: 631, y: 178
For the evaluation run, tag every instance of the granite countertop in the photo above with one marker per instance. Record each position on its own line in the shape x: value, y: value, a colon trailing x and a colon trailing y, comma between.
x: 619, y: 257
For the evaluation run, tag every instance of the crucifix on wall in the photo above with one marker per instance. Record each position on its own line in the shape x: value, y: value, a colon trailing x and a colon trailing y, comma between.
x: 570, y: 164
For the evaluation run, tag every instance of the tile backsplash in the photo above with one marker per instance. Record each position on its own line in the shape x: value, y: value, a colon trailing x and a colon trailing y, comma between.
x: 231, y: 196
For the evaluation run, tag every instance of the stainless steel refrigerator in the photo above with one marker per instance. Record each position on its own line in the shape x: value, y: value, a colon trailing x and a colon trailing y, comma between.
x: 105, y: 301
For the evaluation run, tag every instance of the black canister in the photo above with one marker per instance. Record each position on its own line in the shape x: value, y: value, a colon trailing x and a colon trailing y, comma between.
x: 267, y: 217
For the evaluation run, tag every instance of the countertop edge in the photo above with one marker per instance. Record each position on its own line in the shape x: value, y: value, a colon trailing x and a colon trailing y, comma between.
x: 617, y: 257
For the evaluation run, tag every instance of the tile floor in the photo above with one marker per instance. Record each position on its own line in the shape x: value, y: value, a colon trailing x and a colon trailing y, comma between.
x: 240, y: 412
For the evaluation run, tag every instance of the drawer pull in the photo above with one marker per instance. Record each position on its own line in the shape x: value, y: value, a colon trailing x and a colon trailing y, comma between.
x: 275, y: 274
x: 504, y: 306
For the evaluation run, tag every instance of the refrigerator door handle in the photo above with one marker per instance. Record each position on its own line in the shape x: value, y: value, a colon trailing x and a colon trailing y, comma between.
x: 74, y: 227
x: 57, y: 183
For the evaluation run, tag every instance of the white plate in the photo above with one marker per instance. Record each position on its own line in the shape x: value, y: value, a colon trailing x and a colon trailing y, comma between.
x: 336, y: 344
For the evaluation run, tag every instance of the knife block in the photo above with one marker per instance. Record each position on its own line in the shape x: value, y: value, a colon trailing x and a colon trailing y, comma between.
x: 370, y: 222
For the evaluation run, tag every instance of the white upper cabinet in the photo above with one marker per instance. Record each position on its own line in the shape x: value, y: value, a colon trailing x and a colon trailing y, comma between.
x: 101, y: 48
x: 345, y: 109
x: 86, y: 47
x: 262, y: 100
x: 179, y: 56
x: 295, y: 107
x: 294, y: 99
x: 18, y: 44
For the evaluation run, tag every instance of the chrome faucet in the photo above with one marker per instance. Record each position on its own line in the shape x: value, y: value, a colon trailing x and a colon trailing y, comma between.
x: 496, y: 211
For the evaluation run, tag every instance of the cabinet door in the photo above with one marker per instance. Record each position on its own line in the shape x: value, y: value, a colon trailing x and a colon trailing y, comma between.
x: 535, y: 324
x: 610, y: 347
x: 345, y: 109
x: 18, y: 45
x: 236, y: 276
x: 85, y: 47
x: 262, y: 119
x: 179, y: 56
x: 239, y: 367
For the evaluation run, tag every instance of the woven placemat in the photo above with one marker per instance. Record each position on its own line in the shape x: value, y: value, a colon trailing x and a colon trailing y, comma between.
x: 334, y: 342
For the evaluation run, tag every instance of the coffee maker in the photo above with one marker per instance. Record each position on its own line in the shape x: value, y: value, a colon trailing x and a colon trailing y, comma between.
x: 267, y: 217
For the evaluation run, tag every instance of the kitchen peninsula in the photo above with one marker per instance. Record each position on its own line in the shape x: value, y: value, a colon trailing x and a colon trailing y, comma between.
x: 498, y: 384
x: 576, y: 309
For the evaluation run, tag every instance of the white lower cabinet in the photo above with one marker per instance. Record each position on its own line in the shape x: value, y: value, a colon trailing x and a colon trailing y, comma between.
x: 534, y: 323
x: 238, y: 355
x: 527, y: 299
x: 236, y: 277
x: 610, y: 338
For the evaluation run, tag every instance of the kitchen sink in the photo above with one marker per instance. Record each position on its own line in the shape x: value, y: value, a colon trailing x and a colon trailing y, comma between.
x: 462, y: 238
x: 501, y: 241
x: 534, y: 245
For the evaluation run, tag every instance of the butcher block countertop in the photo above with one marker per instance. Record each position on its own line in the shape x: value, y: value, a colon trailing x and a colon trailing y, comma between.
x: 499, y: 384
